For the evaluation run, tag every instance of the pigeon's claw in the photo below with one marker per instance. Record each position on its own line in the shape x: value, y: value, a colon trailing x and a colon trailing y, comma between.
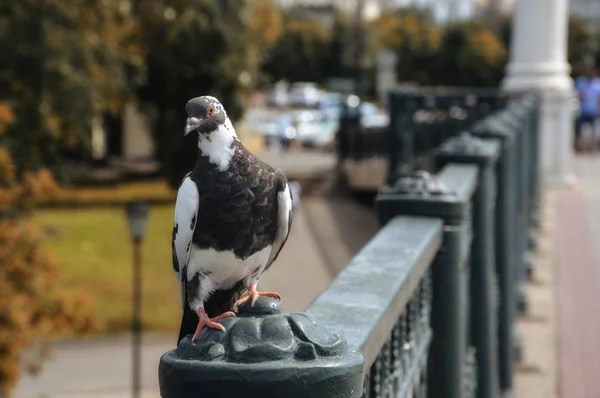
x: 210, y: 322
x: 253, y: 295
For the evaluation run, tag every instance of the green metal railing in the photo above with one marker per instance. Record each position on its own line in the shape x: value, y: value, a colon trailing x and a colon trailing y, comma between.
x: 420, y: 120
x: 426, y: 309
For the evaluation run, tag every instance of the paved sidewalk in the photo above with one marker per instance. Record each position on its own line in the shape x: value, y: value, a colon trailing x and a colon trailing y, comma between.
x: 96, y: 369
x: 537, y: 372
x: 562, y: 329
x: 578, y: 281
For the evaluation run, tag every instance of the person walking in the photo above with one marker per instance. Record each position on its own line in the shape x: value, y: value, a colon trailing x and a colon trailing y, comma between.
x: 588, y: 90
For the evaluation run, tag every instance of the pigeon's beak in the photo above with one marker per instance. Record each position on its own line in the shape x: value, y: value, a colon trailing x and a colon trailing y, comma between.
x: 191, y: 124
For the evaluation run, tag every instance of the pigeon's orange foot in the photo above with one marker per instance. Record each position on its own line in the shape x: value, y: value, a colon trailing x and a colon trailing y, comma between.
x: 210, y: 322
x: 253, y: 295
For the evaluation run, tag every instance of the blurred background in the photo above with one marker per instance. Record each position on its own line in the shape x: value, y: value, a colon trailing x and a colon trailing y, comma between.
x: 92, y: 96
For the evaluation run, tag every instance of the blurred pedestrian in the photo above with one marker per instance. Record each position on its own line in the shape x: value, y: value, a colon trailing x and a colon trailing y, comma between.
x: 588, y: 90
x: 286, y: 131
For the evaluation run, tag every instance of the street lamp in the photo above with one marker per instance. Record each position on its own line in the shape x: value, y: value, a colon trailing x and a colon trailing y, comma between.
x: 137, y: 217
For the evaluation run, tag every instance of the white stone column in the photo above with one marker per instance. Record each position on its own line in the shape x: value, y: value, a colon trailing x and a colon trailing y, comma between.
x: 538, y: 60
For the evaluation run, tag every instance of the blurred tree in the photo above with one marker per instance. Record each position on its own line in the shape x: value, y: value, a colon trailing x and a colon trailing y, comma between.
x: 199, y: 47
x: 580, y: 44
x: 386, y: 31
x: 504, y: 30
x: 470, y: 55
x: 32, y: 307
x: 338, y: 57
x: 63, y: 62
x: 416, y: 40
x: 301, y: 53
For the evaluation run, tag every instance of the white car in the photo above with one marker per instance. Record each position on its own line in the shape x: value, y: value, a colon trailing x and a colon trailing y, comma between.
x: 277, y: 97
x: 304, y: 95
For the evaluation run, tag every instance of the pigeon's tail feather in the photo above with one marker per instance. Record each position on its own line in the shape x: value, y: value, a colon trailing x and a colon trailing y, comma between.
x: 189, y: 321
x: 221, y: 301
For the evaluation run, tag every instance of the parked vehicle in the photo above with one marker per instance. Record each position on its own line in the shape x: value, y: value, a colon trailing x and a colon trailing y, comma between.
x: 304, y: 95
x: 278, y: 96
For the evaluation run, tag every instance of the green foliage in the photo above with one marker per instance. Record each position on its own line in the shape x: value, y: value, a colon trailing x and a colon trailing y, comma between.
x: 470, y: 55
x: 31, y: 304
x: 197, y: 47
x: 415, y: 40
x: 419, y: 43
x: 62, y: 63
x: 580, y: 44
x: 339, y: 58
x: 309, y: 51
x: 300, y: 53
x: 465, y: 54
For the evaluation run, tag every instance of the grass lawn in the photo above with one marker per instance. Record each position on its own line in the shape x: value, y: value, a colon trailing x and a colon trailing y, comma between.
x: 92, y: 248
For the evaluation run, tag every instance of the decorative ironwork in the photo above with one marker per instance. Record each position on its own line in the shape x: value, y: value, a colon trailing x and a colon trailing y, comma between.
x: 274, y: 346
x: 470, y: 376
x: 470, y: 365
x: 401, y: 366
x: 419, y: 121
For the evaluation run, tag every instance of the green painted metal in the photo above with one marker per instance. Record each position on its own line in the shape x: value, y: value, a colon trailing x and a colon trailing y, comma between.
x: 447, y: 197
x: 514, y: 116
x: 265, y: 353
x: 535, y: 145
x: 468, y: 149
x: 505, y: 225
x: 381, y: 304
x: 531, y: 105
x: 422, y: 119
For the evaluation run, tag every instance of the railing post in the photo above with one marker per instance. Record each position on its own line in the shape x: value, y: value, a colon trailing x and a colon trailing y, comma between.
x: 513, y: 118
x: 530, y: 103
x: 419, y: 194
x: 468, y: 149
x: 505, y: 247
x: 343, y: 135
x: 400, y: 134
x: 263, y: 353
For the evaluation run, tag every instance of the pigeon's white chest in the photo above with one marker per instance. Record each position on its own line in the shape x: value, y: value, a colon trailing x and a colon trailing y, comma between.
x: 223, y: 268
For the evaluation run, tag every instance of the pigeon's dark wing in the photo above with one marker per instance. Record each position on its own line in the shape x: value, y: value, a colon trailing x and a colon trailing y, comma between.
x: 186, y: 213
x: 284, y: 216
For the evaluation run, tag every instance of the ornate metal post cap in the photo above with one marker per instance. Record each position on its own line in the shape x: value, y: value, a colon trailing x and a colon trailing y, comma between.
x: 418, y: 183
x: 510, y: 119
x: 467, y: 148
x: 492, y: 126
x: 465, y: 142
x: 263, y: 352
x: 419, y: 194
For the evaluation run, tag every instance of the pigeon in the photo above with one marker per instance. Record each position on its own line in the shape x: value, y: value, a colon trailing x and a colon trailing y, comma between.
x: 233, y: 215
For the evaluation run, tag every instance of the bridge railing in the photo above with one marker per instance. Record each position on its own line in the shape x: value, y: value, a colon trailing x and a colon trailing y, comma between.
x: 420, y: 120
x: 426, y: 309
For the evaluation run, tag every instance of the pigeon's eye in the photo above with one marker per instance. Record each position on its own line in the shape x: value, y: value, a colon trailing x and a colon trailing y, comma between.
x: 211, y: 110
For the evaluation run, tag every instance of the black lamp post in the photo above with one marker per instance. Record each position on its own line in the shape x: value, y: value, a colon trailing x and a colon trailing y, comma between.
x: 137, y: 217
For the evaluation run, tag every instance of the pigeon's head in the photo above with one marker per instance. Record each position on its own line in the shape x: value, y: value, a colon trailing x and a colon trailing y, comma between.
x: 205, y: 115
